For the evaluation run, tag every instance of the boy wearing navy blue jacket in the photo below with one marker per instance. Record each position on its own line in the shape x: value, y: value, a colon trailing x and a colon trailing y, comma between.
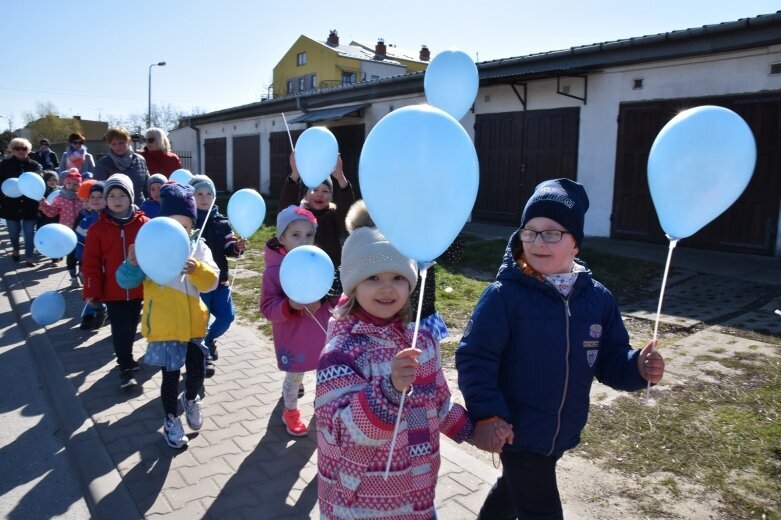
x: 537, y: 338
x: 223, y: 244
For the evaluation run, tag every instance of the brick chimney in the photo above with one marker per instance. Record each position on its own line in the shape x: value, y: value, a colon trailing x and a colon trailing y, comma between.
x: 333, y: 38
x: 425, y: 54
x: 380, y: 50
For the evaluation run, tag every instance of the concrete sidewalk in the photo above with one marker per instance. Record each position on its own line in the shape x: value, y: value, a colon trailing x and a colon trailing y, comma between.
x: 241, y: 464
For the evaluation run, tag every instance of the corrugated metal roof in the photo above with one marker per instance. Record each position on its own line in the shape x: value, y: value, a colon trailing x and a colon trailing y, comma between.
x: 327, y: 114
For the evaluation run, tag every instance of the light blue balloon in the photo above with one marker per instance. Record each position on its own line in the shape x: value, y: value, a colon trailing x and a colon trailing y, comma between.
x: 55, y: 240
x: 246, y: 211
x: 48, y: 308
x: 32, y: 185
x: 451, y: 82
x: 316, y: 154
x: 162, y: 249
x: 11, y: 189
x: 52, y: 196
x: 699, y: 164
x: 181, y: 176
x: 419, y: 177
x: 306, y: 274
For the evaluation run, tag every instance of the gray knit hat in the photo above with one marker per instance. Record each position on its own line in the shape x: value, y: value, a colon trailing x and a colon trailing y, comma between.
x: 119, y: 180
x: 157, y: 178
x: 367, y: 252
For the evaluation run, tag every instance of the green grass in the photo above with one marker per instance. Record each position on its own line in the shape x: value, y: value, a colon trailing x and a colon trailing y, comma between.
x: 725, y: 436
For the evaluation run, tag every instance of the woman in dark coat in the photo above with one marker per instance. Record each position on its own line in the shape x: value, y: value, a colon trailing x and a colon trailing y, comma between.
x: 20, y: 213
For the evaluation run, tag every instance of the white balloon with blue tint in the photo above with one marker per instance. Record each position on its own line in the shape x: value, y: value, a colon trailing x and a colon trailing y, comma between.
x: 53, y: 195
x: 306, y: 274
x: 32, y: 185
x: 699, y: 165
x: 55, y: 240
x: 451, y: 82
x: 181, y: 176
x: 10, y: 188
x: 316, y: 155
x: 48, y: 308
x: 419, y: 177
x: 246, y: 211
x: 162, y: 249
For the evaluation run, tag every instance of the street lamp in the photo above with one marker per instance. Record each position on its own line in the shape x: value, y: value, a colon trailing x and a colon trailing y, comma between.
x: 149, y: 112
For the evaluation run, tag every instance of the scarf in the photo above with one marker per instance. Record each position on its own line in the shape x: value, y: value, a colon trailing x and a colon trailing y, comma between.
x: 67, y: 194
x: 122, y: 220
x: 122, y: 162
x: 75, y: 158
x: 563, y: 282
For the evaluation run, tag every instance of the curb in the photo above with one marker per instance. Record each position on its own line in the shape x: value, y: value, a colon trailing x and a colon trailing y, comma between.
x: 106, y: 494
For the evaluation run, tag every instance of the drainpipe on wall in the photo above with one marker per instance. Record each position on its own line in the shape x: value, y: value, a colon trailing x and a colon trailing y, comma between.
x: 198, y: 141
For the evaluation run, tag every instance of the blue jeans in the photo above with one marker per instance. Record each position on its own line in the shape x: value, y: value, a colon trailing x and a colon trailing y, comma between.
x: 527, y: 489
x: 220, y: 305
x: 15, y: 228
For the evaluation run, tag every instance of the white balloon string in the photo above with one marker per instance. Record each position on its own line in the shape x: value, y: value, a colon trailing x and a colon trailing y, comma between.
x: 200, y: 234
x: 288, y: 132
x: 673, y: 243
x: 313, y: 317
x: 84, y: 310
x: 423, y: 273
x: 235, y: 269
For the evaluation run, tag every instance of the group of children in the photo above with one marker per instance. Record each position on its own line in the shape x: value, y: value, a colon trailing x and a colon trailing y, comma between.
x: 538, y: 336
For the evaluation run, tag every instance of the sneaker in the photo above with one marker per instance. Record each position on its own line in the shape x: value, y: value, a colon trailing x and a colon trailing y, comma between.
x: 192, y: 411
x: 301, y: 390
x: 55, y: 262
x: 98, y: 320
x: 135, y: 367
x: 87, y: 322
x: 127, y: 379
x: 209, y: 369
x: 212, y: 346
x: 292, y: 420
x: 173, y: 432
x: 75, y: 282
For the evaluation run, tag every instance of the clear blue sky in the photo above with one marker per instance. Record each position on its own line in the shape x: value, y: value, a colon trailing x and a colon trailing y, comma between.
x: 91, y: 58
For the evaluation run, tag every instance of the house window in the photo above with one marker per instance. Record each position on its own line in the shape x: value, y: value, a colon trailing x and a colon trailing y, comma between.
x: 289, y: 86
x: 348, y: 78
x: 301, y: 58
x: 314, y: 81
x: 637, y: 84
x: 301, y: 84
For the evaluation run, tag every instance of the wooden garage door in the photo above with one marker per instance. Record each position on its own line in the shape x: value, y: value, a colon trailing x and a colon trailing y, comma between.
x: 279, y: 157
x: 246, y: 162
x: 518, y: 150
x: 750, y: 225
x: 214, y: 151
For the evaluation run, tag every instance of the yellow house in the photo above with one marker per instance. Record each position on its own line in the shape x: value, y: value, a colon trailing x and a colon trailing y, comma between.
x: 310, y: 64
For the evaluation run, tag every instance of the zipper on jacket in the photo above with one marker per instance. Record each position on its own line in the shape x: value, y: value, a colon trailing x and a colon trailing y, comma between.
x: 149, y: 319
x: 567, y: 316
x: 124, y: 257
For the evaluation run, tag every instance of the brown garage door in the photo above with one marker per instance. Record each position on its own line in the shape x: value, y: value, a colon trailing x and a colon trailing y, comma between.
x: 750, y: 225
x: 246, y: 162
x: 214, y: 151
x: 279, y: 152
x: 518, y: 150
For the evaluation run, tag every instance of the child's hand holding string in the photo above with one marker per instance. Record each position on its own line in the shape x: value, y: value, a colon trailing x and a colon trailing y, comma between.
x: 189, y: 267
x: 403, y: 368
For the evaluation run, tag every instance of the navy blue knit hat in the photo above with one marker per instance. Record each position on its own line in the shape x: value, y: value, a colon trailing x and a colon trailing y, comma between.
x: 562, y: 200
x: 177, y: 199
x: 98, y: 186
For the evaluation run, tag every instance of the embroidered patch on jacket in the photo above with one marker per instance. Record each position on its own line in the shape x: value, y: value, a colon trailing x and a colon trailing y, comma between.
x: 591, y: 344
x: 591, y: 357
x: 467, y: 328
x: 595, y: 331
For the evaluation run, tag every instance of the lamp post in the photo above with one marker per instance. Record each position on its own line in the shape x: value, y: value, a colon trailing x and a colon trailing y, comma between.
x: 149, y: 111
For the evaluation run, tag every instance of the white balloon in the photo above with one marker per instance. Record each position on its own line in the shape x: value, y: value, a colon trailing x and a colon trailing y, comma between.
x: 32, y: 185
x: 11, y: 189
x: 52, y: 196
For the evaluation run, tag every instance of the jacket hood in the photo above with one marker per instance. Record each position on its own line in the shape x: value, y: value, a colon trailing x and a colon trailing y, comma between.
x: 272, y: 255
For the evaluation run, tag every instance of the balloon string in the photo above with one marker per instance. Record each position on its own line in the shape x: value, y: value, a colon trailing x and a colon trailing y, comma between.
x: 235, y: 269
x: 313, y: 317
x: 288, y: 132
x: 673, y: 243
x: 200, y: 234
x: 423, y: 273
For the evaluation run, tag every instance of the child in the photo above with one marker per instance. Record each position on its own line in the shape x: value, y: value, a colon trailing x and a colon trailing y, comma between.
x: 151, y: 206
x: 538, y: 336
x: 106, y: 248
x: 366, y: 365
x: 327, y: 204
x: 223, y: 243
x: 51, y: 179
x: 298, y: 338
x: 175, y: 318
x: 66, y: 205
x: 94, y: 316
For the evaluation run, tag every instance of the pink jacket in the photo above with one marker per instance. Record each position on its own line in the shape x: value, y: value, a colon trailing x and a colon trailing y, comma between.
x: 298, y: 339
x: 67, y: 209
x: 356, y: 407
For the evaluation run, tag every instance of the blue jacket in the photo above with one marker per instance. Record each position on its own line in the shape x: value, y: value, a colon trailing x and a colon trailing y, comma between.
x: 219, y: 236
x: 529, y: 355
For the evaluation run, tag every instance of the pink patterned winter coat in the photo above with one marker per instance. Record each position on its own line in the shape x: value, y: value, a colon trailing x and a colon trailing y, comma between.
x: 67, y: 209
x: 356, y: 407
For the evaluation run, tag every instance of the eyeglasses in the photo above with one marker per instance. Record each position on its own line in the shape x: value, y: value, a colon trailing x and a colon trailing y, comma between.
x: 77, y: 142
x: 549, y: 236
x: 19, y: 148
x: 150, y: 139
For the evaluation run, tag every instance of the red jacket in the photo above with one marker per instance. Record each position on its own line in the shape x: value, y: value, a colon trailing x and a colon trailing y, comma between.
x: 161, y: 162
x: 104, y: 252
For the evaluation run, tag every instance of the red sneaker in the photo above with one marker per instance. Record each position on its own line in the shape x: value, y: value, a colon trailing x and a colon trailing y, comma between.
x: 293, y: 423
